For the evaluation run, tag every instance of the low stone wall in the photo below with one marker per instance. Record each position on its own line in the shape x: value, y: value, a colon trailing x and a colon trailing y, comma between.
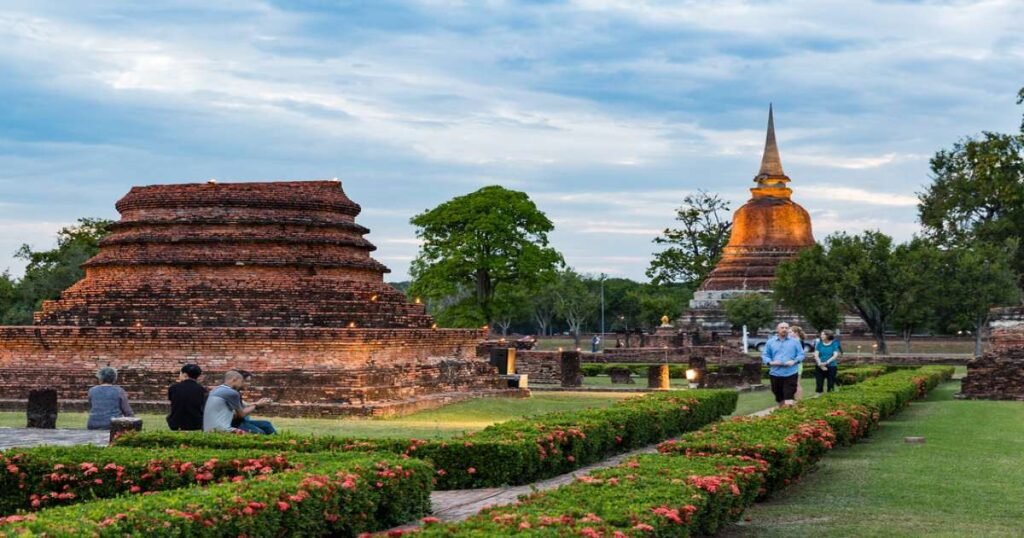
x: 999, y: 374
x: 547, y: 367
x: 677, y: 355
x: 907, y: 360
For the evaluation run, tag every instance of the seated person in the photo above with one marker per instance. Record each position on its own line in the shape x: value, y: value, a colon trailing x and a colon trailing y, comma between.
x: 107, y: 401
x: 187, y: 398
x: 224, y: 404
x: 247, y: 423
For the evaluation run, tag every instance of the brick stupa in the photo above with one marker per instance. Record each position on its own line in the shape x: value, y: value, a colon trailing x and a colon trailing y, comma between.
x: 767, y: 230
x: 275, y: 278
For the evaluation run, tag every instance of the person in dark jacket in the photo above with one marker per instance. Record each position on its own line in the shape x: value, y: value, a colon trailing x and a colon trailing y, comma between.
x: 188, y: 398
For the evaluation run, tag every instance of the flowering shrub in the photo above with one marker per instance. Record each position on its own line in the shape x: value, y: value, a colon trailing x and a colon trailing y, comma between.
x: 852, y: 376
x: 347, y: 496
x: 513, y: 452
x: 36, y: 478
x: 648, y: 495
x: 793, y: 439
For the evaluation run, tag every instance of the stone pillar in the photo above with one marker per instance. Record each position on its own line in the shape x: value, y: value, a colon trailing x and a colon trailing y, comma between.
x: 42, y: 408
x: 700, y: 364
x: 504, y: 359
x: 572, y: 376
x: 124, y: 424
x: 657, y: 377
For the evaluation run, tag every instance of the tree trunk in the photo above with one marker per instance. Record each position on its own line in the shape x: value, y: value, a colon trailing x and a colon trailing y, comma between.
x: 906, y: 339
x: 882, y: 349
x: 979, y: 327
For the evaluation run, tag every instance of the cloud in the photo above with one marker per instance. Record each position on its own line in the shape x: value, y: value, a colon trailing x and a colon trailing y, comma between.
x: 855, y: 195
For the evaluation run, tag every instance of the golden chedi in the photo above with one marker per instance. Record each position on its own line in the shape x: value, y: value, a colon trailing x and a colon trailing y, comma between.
x: 767, y: 230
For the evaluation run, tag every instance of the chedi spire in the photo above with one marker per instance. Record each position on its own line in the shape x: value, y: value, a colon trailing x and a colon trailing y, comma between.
x: 771, y: 163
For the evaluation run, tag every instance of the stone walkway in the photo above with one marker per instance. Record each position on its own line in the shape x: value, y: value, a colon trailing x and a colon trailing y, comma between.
x: 25, y: 437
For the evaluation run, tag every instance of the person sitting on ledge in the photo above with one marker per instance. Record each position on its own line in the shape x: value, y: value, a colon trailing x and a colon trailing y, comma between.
x: 187, y: 398
x: 225, y: 403
x: 107, y: 401
x: 247, y: 423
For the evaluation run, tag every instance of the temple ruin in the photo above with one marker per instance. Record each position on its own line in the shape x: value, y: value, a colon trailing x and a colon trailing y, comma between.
x: 275, y: 278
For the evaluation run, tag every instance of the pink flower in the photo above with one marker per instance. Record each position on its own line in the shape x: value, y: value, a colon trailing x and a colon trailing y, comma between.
x: 471, y: 470
x: 283, y: 506
x: 643, y: 527
x: 430, y: 520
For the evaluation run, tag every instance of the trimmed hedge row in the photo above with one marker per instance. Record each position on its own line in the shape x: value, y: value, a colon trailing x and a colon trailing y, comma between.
x: 36, y: 478
x: 707, y: 478
x: 649, y: 495
x: 354, y: 494
x: 514, y: 452
x: 852, y: 376
x: 793, y: 439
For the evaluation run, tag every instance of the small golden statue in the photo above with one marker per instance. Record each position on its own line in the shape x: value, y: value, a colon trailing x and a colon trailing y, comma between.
x: 664, y: 321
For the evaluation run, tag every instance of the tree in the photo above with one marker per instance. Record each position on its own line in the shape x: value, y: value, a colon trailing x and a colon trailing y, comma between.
x: 977, y: 192
x: 752, y: 310
x: 50, y: 272
x: 976, y: 278
x: 806, y: 286
x: 918, y: 275
x: 511, y: 305
x: 576, y: 303
x: 858, y: 270
x: 482, y: 241
x: 543, y: 306
x: 657, y: 300
x: 696, y: 246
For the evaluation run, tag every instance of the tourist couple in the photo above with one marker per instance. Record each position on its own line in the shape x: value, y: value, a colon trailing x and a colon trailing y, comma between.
x: 784, y: 354
x: 220, y: 411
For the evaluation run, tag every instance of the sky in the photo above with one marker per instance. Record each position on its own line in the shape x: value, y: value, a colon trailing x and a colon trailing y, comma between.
x: 606, y: 112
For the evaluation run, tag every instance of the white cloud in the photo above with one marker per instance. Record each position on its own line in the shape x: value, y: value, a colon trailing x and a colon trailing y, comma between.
x: 855, y: 195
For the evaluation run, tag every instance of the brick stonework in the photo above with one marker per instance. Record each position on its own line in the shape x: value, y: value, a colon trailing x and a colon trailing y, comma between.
x: 275, y: 278
x: 999, y: 374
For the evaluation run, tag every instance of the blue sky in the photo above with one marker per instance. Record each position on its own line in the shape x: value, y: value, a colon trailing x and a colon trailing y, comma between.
x: 607, y: 112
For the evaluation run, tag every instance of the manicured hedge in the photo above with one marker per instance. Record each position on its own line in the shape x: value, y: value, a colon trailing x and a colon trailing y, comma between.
x: 792, y: 439
x: 36, y: 478
x: 351, y: 495
x: 649, y: 495
x: 852, y: 376
x: 513, y: 452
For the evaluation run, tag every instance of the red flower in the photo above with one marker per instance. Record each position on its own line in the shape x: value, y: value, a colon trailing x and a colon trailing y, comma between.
x: 430, y: 520
x: 283, y: 506
x: 471, y: 470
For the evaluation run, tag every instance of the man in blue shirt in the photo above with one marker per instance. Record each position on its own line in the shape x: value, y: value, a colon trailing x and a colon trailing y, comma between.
x: 783, y: 355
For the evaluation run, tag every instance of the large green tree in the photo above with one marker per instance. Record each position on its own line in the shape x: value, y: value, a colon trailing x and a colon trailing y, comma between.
x: 695, y: 246
x: 577, y: 303
x: 977, y: 192
x: 49, y: 272
x: 918, y: 273
x: 974, y: 279
x: 752, y: 310
x: 482, y: 241
x: 807, y: 285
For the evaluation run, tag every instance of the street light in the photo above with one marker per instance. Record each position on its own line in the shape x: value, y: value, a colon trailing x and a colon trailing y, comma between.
x: 603, y: 276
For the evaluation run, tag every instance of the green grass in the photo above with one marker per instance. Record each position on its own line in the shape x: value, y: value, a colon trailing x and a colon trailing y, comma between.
x: 966, y: 480
x: 443, y: 422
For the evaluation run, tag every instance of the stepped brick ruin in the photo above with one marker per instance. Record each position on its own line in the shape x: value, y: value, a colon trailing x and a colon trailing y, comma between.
x: 999, y: 373
x: 275, y: 278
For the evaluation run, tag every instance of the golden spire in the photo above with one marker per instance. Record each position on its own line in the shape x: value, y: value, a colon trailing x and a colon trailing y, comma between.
x: 771, y: 164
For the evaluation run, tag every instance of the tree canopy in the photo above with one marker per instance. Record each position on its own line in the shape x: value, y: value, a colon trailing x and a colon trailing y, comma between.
x: 696, y: 245
x: 476, y: 244
x: 752, y: 310
x: 49, y: 272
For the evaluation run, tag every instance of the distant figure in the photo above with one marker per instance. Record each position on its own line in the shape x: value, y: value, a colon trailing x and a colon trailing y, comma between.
x: 107, y: 401
x: 225, y: 403
x: 595, y: 343
x: 827, y: 351
x: 797, y: 332
x: 187, y: 398
x: 782, y: 354
x: 247, y: 423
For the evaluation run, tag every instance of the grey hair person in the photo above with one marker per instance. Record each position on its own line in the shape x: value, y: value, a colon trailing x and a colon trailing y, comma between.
x: 107, y: 375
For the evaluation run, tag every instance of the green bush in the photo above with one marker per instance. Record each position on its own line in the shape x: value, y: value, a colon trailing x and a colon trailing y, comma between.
x: 513, y: 452
x: 791, y: 440
x: 36, y: 478
x: 648, y: 495
x: 345, y: 497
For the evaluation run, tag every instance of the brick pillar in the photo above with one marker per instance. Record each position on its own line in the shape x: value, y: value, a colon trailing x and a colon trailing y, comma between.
x: 657, y: 377
x: 572, y: 376
x: 42, y: 408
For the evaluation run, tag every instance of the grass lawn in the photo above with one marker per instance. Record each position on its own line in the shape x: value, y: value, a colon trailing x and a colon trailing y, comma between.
x: 966, y: 480
x: 924, y: 345
x: 442, y: 422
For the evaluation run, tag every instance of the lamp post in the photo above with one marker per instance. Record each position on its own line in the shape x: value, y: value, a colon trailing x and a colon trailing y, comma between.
x: 603, y: 276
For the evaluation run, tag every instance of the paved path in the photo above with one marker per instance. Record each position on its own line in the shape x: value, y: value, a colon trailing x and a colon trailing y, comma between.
x: 24, y: 437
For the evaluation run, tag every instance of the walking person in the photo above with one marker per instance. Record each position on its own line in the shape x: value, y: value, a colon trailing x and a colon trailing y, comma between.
x: 595, y: 343
x: 107, y: 401
x: 782, y: 354
x: 187, y: 398
x: 827, y: 351
x: 797, y: 332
